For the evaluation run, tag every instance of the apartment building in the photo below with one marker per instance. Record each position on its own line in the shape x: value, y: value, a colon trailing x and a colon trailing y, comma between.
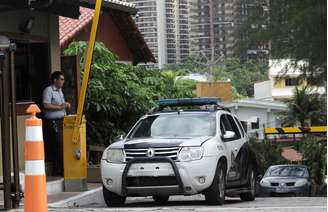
x: 212, y: 26
x: 165, y: 27
x: 283, y: 79
x: 215, y: 29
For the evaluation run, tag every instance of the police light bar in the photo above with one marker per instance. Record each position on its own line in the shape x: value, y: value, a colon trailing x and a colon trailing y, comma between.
x: 188, y: 102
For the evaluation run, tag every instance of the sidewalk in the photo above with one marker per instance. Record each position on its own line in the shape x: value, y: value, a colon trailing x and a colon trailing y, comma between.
x: 59, y: 199
x: 76, y: 199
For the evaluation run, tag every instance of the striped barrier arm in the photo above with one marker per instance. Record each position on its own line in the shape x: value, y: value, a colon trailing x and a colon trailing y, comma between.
x: 295, y: 130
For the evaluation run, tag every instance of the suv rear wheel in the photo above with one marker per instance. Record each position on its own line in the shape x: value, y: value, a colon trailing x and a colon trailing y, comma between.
x: 215, y: 194
x: 112, y: 199
x: 161, y: 199
x: 250, y: 196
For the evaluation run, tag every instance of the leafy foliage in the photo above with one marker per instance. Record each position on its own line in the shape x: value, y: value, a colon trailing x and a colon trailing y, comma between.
x: 305, y: 108
x: 242, y: 75
x: 189, y: 65
x: 315, y: 154
x: 267, y: 154
x: 118, y: 94
x: 297, y: 30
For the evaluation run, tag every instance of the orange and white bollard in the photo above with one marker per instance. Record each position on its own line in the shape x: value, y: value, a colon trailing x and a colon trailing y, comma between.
x: 35, y: 197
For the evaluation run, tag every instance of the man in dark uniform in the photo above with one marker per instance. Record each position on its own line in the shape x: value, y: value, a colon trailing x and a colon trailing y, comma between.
x: 55, y: 107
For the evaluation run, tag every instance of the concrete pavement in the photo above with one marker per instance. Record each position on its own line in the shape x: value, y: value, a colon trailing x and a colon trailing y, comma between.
x: 197, y: 203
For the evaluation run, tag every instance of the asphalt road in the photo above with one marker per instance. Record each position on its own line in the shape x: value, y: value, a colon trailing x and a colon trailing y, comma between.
x: 197, y: 203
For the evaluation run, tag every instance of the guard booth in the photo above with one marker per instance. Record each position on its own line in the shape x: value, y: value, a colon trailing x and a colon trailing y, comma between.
x: 29, y: 52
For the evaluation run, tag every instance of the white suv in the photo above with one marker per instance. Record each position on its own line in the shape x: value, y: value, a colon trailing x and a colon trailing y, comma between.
x: 181, y: 152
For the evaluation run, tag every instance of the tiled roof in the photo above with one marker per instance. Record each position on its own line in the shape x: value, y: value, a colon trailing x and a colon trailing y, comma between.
x: 69, y: 27
x: 291, y: 154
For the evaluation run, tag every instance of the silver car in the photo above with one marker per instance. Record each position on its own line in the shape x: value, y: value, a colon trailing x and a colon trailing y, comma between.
x: 286, y: 180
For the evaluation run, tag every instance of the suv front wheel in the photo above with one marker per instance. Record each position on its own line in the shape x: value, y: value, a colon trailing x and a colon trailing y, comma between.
x: 112, y: 199
x: 250, y: 196
x: 215, y: 194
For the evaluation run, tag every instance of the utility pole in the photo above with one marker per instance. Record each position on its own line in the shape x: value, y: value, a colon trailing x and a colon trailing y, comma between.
x: 211, y: 35
x: 5, y: 117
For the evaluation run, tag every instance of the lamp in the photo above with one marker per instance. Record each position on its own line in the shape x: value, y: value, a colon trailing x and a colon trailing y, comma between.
x: 4, y: 42
x: 27, y: 25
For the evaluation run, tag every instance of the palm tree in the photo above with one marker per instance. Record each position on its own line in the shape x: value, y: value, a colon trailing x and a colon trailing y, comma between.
x: 305, y: 108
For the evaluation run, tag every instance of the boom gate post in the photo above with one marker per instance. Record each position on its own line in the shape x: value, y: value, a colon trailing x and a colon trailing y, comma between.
x: 75, y: 160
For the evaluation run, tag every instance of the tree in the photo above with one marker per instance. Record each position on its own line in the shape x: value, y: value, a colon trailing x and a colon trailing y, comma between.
x: 242, y: 75
x: 305, y: 108
x: 267, y: 154
x: 118, y: 94
x: 315, y: 154
x: 189, y: 65
x: 295, y: 30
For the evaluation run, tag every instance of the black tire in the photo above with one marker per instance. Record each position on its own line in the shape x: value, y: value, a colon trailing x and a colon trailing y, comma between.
x: 215, y: 194
x: 112, y: 199
x: 250, y: 196
x: 161, y: 199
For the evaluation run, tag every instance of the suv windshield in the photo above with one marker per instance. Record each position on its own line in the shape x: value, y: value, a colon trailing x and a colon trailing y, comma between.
x: 284, y: 171
x: 175, y: 126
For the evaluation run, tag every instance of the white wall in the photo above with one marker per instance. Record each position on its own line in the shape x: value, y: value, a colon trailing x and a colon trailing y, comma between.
x: 245, y: 114
x: 263, y: 90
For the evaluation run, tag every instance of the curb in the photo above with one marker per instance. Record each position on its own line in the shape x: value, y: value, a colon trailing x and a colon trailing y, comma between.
x: 90, y: 197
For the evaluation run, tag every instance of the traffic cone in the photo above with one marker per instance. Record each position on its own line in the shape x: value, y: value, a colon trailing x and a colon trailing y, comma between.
x: 35, y: 197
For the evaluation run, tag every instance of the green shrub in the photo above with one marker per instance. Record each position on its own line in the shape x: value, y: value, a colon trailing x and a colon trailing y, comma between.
x: 118, y: 94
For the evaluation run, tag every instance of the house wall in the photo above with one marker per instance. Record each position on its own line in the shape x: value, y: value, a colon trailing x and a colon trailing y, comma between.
x: 246, y: 114
x: 110, y: 35
x: 279, y: 83
x: 263, y: 90
x: 267, y: 117
x: 221, y: 89
x: 45, y: 29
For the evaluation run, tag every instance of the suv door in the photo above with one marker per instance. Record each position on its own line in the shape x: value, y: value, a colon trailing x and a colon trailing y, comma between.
x: 233, y: 146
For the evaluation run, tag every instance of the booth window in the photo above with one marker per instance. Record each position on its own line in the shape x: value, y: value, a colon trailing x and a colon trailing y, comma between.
x: 32, y: 70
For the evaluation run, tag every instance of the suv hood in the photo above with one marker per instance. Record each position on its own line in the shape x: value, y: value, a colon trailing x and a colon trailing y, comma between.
x: 160, y: 142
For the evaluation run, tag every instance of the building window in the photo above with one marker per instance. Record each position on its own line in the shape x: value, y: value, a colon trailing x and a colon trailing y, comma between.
x: 291, y: 82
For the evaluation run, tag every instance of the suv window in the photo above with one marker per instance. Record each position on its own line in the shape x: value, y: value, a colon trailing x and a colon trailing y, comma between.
x: 240, y: 127
x: 227, y: 123
x: 175, y: 125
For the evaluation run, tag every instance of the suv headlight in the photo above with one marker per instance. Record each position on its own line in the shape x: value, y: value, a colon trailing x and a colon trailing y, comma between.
x: 190, y: 153
x: 114, y: 155
x: 264, y: 183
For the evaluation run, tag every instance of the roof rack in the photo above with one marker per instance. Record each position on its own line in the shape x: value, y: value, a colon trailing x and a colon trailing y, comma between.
x: 200, y: 101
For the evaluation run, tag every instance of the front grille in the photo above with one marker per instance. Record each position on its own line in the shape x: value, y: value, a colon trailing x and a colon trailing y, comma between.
x: 274, y: 184
x: 170, y: 152
x: 151, y: 181
x: 287, y: 184
x: 290, y: 184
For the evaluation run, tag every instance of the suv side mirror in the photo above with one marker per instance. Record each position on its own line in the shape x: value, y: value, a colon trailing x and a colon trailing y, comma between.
x: 229, y: 135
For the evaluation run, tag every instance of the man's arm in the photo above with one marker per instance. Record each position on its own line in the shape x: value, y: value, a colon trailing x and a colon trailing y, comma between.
x: 50, y: 106
x: 46, y: 99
